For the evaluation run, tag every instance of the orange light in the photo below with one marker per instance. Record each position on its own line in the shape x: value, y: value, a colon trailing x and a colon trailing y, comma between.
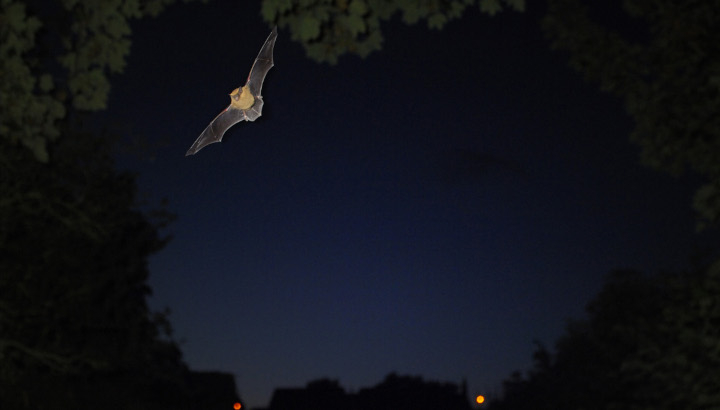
x: 237, y: 406
x: 480, y: 399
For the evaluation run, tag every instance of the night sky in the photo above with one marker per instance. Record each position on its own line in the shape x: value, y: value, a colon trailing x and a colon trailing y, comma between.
x: 430, y: 210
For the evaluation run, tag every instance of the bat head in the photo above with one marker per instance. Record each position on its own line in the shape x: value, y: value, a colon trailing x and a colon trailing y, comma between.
x: 235, y: 94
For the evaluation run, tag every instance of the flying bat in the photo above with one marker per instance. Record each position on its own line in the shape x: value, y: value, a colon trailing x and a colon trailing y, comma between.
x: 246, y: 103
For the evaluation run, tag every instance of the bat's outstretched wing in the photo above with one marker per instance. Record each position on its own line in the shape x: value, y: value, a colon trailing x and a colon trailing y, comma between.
x: 215, y: 131
x: 233, y: 114
x: 263, y: 63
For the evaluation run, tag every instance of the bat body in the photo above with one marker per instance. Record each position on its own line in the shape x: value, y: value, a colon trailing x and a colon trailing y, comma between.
x: 246, y: 103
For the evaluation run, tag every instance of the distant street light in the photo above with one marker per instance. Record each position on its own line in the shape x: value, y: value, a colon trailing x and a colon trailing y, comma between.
x: 480, y: 399
x: 237, y: 406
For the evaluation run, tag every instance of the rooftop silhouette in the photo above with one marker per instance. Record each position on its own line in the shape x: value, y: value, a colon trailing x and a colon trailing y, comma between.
x: 393, y: 393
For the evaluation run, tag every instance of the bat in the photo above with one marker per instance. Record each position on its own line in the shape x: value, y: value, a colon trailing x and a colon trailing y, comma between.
x: 246, y: 103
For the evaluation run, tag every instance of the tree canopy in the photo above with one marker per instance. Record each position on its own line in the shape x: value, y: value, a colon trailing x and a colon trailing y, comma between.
x: 666, y: 68
x: 649, y: 342
x: 58, y: 56
x: 328, y: 29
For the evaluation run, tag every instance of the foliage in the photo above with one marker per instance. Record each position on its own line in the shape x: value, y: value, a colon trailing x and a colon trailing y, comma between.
x: 330, y: 28
x: 73, y: 257
x: 650, y: 342
x: 56, y: 56
x: 667, y: 72
x: 75, y: 329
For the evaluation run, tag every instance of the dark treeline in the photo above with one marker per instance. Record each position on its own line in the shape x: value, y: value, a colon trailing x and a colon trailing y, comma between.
x: 649, y: 342
x: 75, y: 328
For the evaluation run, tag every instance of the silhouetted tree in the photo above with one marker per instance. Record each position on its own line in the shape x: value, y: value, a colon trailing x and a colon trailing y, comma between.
x: 75, y: 329
x: 666, y: 71
x: 73, y: 257
x: 650, y: 342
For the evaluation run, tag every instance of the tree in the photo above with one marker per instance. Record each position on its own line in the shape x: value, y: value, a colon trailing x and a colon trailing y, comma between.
x: 676, y: 365
x: 57, y: 57
x: 649, y: 342
x: 328, y: 29
x: 667, y: 71
x: 75, y: 329
x: 73, y: 257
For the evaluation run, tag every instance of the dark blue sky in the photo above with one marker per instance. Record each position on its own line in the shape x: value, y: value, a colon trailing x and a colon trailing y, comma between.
x: 430, y: 210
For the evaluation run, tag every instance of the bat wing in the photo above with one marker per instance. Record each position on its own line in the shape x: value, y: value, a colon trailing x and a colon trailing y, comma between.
x: 263, y: 63
x: 231, y: 115
x: 216, y: 129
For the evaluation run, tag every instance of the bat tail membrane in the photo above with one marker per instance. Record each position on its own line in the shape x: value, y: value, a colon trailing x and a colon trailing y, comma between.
x: 256, y: 110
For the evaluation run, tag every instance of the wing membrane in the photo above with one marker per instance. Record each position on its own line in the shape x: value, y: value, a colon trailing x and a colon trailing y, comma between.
x: 216, y: 129
x: 263, y: 63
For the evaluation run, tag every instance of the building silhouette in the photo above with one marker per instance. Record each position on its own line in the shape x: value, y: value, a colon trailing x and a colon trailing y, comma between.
x: 212, y: 390
x: 393, y: 393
